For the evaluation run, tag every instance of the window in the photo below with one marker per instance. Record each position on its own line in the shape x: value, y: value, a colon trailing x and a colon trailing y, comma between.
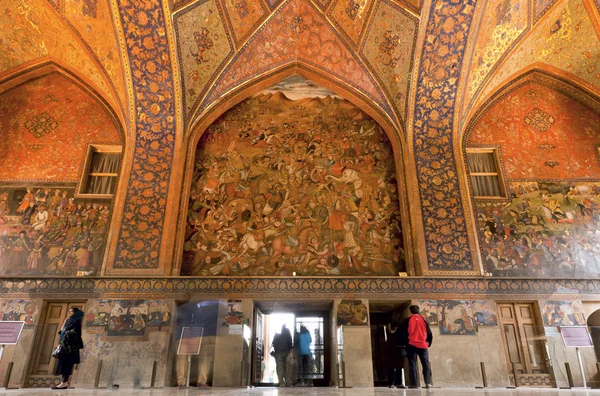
x: 101, y: 170
x: 484, y: 168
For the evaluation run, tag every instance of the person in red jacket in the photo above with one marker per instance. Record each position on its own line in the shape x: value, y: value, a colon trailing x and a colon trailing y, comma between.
x: 419, y: 338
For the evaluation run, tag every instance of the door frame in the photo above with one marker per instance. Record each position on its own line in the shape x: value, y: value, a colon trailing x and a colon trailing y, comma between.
x: 537, y: 316
x: 35, y: 345
x: 327, y: 344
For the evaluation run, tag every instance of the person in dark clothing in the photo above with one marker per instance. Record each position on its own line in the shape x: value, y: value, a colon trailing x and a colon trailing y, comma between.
x: 418, y: 338
x: 397, y: 352
x: 71, y: 343
x: 282, y: 345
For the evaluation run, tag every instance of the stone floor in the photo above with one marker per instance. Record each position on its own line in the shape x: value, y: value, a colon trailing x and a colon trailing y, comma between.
x: 304, y: 392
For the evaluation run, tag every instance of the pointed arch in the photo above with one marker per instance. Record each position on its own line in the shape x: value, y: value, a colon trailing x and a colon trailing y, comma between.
x: 199, y: 125
x: 47, y: 66
x: 555, y: 79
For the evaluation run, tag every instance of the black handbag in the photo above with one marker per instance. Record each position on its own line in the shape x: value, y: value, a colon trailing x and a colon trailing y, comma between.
x: 58, y: 352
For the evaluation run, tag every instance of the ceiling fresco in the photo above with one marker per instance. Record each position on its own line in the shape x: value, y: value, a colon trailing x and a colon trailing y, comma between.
x: 502, y: 25
x: 31, y: 30
x: 89, y: 19
x: 243, y: 17
x: 309, y: 39
x: 203, y: 46
x: 565, y: 39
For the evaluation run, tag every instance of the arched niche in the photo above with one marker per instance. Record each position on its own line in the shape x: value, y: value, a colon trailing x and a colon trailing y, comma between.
x: 202, y: 125
x: 51, y: 125
x: 544, y: 131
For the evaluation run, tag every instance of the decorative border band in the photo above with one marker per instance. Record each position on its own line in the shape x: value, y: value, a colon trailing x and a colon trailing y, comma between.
x: 300, y: 287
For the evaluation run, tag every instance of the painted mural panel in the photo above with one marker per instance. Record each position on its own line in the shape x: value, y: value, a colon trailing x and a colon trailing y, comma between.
x: 302, y: 186
x: 456, y: 318
x: 42, y: 118
x: 126, y: 318
x: 428, y: 310
x: 44, y: 230
x: 547, y: 229
x: 542, y: 133
x: 484, y: 313
x: 548, y: 226
x: 563, y: 313
x: 19, y: 310
x: 352, y: 313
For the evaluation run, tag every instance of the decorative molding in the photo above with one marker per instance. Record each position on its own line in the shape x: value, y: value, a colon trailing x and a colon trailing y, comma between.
x: 300, y: 287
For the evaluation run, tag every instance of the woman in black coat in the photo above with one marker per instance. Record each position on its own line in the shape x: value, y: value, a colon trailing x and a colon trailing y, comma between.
x: 71, y: 343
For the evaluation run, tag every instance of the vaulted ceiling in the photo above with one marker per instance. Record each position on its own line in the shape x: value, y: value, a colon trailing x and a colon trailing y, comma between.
x: 368, y: 45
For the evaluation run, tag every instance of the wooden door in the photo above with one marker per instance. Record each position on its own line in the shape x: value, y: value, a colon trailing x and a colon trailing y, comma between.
x: 523, y: 339
x: 259, y: 349
x: 47, y: 338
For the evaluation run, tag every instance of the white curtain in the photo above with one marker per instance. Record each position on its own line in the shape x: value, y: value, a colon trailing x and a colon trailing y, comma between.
x: 103, y: 163
x: 483, y: 186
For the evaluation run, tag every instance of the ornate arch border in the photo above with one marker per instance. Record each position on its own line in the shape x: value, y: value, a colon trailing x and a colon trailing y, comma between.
x: 198, y: 126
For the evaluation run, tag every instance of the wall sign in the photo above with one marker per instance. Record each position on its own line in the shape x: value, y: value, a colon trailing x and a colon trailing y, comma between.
x: 10, y: 331
x: 576, y: 336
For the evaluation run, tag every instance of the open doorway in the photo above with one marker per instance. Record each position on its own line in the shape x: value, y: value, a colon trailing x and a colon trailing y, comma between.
x: 311, y: 368
x: 385, y: 318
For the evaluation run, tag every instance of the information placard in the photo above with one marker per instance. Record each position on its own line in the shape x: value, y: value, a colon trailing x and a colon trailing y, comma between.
x: 576, y: 336
x: 236, y: 329
x: 190, y: 341
x: 10, y: 331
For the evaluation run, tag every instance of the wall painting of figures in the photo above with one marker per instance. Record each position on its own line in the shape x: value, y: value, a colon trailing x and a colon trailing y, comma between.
x: 548, y: 226
x: 456, y: 318
x: 294, y: 180
x: 45, y: 230
x: 126, y: 318
x: 563, y: 313
x: 547, y: 229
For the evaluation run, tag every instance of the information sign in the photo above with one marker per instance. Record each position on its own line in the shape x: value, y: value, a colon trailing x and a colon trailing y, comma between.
x: 236, y: 329
x: 10, y: 331
x: 576, y: 336
x: 190, y: 341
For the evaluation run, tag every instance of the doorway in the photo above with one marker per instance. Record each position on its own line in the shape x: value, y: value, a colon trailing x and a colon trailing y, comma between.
x: 42, y: 365
x: 524, y: 344
x: 385, y: 318
x: 311, y: 317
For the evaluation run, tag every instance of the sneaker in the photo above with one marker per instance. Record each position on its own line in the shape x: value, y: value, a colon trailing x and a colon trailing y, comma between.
x: 427, y: 386
x: 392, y: 386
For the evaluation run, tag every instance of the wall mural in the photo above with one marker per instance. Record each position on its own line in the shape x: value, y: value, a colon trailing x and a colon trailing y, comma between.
x: 303, y: 186
x: 19, y: 310
x: 127, y: 318
x: 563, y: 313
x: 44, y: 230
x: 456, y: 318
x: 352, y: 313
x: 549, y: 225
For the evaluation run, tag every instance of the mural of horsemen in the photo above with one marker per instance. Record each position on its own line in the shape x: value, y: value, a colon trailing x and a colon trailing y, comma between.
x: 545, y: 229
x: 304, y: 186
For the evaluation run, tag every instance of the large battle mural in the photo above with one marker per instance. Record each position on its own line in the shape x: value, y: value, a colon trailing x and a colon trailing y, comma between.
x: 549, y: 224
x: 304, y: 186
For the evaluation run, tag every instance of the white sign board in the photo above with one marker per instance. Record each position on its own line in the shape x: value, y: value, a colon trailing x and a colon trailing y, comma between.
x: 236, y: 329
x: 10, y: 331
x: 576, y: 336
x: 190, y: 341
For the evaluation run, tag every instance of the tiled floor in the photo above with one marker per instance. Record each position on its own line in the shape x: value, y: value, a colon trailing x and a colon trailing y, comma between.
x: 304, y: 392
